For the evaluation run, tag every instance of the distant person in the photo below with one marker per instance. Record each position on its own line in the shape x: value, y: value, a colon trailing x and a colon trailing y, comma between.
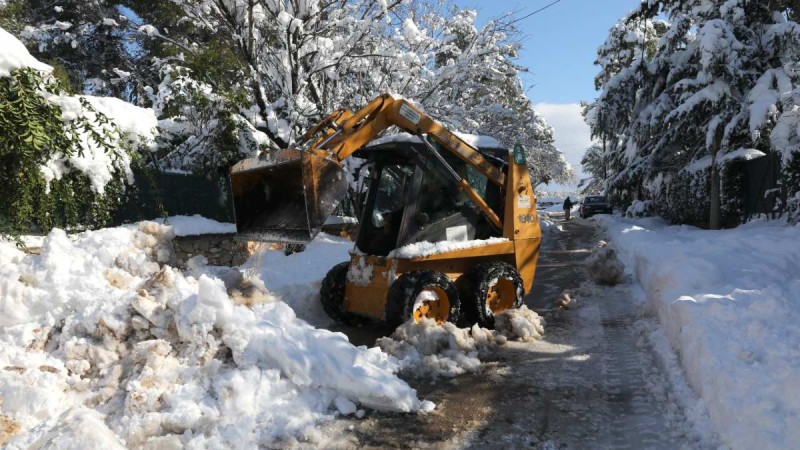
x: 567, y: 208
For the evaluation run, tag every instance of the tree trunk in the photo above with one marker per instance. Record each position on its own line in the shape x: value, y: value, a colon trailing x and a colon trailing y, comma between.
x: 715, y: 216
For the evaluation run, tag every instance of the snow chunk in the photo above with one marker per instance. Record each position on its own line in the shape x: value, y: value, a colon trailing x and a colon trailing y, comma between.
x: 426, y: 349
x: 604, y: 266
x: 14, y: 55
x: 425, y: 248
x: 412, y: 34
x: 520, y: 324
x: 149, y: 30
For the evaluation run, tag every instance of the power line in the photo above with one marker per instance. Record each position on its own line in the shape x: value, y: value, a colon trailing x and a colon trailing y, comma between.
x: 537, y: 11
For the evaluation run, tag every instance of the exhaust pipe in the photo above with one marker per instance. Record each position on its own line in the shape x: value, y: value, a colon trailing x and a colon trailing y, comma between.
x: 285, y: 196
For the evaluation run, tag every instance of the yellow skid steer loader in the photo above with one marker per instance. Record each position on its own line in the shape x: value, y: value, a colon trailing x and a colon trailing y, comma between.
x: 449, y: 228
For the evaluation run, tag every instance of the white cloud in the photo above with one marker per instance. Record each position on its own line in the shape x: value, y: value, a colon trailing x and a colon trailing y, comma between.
x: 572, y: 135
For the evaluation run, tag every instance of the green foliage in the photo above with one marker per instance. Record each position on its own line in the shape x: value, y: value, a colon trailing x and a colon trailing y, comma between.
x: 686, y: 198
x: 31, y: 133
x: 10, y: 16
x: 218, y: 134
x: 791, y: 187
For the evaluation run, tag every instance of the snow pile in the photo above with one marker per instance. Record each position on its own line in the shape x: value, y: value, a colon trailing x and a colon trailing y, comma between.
x: 102, y: 347
x: 520, y: 324
x: 604, y: 266
x: 424, y: 249
x: 728, y: 301
x: 196, y: 225
x: 426, y: 349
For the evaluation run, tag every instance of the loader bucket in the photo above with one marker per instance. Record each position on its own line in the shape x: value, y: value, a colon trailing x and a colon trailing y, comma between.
x: 285, y: 196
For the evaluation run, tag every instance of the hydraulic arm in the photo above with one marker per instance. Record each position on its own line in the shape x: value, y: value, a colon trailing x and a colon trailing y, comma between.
x: 285, y: 196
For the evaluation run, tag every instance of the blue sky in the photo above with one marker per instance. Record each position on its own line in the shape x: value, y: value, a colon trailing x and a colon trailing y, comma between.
x: 559, y: 48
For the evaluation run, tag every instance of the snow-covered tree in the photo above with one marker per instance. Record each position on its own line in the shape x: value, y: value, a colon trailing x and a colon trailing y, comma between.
x: 298, y: 60
x: 595, y: 163
x: 715, y: 79
x: 88, y: 41
x: 64, y: 159
x: 228, y: 78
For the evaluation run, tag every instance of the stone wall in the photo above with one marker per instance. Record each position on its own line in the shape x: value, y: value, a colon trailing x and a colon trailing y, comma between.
x: 220, y: 249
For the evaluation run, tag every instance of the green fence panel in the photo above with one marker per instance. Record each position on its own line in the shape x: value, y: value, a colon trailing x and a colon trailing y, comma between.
x: 157, y: 193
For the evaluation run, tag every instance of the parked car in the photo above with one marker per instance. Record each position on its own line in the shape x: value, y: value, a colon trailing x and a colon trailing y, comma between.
x: 594, y: 204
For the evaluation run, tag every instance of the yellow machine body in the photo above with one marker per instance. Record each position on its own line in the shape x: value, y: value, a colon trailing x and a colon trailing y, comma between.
x: 285, y: 196
x: 367, y: 297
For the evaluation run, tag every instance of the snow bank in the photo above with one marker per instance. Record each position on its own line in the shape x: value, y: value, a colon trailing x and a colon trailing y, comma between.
x: 196, y: 225
x: 103, y: 347
x: 728, y: 301
x: 425, y: 248
x: 547, y: 224
x: 603, y: 265
x: 426, y: 349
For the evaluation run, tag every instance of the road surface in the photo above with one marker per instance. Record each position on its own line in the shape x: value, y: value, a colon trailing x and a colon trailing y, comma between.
x: 592, y: 382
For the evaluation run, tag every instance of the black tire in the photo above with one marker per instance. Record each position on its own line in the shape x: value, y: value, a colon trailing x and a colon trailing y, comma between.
x: 404, y: 291
x: 474, y: 289
x: 331, y: 295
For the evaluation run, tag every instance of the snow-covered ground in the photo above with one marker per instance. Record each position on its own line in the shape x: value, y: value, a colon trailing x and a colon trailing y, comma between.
x: 103, y: 345
x: 728, y: 301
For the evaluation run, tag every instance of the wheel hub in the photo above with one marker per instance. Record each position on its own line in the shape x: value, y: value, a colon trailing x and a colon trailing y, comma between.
x: 432, y: 303
x: 500, y: 296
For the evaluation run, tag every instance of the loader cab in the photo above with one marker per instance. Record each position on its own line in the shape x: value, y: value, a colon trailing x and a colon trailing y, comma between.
x: 410, y: 199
